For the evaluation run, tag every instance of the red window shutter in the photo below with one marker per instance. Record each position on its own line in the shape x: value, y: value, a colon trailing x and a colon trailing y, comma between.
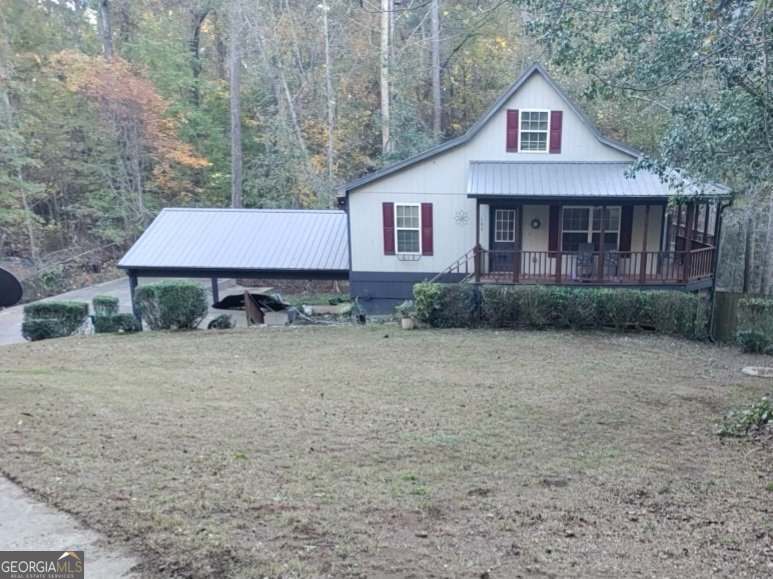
x: 426, y: 228
x: 556, y: 120
x: 388, y: 210
x: 626, y: 227
x: 553, y: 228
x: 512, y: 131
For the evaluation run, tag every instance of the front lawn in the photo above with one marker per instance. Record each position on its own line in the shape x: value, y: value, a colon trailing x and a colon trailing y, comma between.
x: 353, y: 452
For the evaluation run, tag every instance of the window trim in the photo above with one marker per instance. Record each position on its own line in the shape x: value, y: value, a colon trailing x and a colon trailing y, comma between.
x: 514, y: 213
x: 590, y: 231
x: 521, y: 131
x: 417, y: 229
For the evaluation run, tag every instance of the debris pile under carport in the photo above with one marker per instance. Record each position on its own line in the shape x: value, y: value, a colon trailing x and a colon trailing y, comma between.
x: 265, y: 306
x: 261, y: 306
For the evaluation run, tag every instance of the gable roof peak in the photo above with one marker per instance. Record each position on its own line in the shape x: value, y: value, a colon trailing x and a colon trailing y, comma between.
x: 535, y: 67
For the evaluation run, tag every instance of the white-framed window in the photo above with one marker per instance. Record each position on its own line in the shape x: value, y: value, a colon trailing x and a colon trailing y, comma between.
x: 533, y: 131
x: 584, y: 225
x: 408, y: 228
x: 504, y: 225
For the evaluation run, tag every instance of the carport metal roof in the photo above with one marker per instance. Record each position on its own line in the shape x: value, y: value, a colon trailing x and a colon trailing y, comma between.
x: 244, y: 243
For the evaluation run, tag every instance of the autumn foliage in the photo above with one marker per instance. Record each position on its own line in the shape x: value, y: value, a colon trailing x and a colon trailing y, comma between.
x: 130, y: 104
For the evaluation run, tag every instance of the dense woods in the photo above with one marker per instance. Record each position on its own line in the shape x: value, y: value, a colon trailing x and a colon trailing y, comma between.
x: 112, y: 109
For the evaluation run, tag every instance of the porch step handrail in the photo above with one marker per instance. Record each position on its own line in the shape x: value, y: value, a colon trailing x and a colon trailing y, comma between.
x: 461, y: 265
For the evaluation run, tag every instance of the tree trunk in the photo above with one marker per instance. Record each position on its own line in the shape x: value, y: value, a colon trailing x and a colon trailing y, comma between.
x: 287, y: 107
x: 197, y: 19
x: 331, y: 103
x: 437, y: 105
x: 235, y: 64
x: 386, y: 17
x: 105, y: 28
x: 221, y: 50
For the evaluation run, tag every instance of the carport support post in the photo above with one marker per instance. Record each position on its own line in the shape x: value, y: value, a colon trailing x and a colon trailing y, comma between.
x: 132, y: 288
x: 215, y: 291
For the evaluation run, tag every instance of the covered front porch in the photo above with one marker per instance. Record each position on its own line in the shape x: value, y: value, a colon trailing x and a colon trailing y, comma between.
x: 588, y: 224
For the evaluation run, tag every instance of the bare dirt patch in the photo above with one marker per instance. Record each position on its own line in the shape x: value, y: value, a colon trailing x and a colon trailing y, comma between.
x: 352, y: 452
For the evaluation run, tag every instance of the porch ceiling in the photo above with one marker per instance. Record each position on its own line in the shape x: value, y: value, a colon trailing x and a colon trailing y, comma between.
x: 556, y: 179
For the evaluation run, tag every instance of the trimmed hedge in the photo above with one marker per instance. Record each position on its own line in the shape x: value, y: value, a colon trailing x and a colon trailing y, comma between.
x: 466, y: 305
x: 754, y: 324
x: 123, y: 323
x: 170, y: 305
x: 447, y: 306
x: 105, y: 305
x: 43, y: 320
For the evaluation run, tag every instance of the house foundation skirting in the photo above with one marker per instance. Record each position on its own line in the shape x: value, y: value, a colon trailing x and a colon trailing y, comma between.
x: 378, y: 292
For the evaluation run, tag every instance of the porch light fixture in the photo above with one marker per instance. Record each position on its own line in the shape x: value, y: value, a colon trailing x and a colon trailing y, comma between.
x: 535, y: 223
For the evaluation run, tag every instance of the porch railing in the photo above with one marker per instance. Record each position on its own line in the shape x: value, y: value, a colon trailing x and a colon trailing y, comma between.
x: 608, y: 267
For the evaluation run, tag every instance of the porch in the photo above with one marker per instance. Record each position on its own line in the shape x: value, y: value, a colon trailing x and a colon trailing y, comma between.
x: 588, y: 224
x: 676, y: 245
x: 636, y: 268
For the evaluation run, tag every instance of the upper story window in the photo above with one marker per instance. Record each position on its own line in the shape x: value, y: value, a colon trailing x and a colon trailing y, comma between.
x: 534, y: 129
x: 408, y: 228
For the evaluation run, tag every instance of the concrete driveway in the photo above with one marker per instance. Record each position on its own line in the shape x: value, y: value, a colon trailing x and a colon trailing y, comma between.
x: 11, y: 318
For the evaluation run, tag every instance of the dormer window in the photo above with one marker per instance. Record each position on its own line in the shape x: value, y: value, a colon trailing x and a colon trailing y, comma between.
x: 534, y: 131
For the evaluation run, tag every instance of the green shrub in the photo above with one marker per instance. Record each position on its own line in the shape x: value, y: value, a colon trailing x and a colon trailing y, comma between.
x: 116, y: 323
x: 43, y: 320
x: 221, y: 322
x: 105, y: 305
x: 753, y: 342
x: 500, y: 307
x: 427, y: 299
x: 447, y: 305
x: 172, y: 304
x: 755, y: 324
x: 460, y: 305
x: 620, y: 308
x: 34, y: 330
x: 748, y: 420
x: 582, y: 309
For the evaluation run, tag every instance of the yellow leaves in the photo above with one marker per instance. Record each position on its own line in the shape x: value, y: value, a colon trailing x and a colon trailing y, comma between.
x: 500, y: 42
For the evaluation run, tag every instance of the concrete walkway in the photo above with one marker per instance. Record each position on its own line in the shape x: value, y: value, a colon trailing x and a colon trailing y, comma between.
x: 30, y: 525
x: 27, y: 524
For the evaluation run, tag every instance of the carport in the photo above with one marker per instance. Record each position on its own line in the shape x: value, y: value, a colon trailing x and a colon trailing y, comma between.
x: 240, y: 244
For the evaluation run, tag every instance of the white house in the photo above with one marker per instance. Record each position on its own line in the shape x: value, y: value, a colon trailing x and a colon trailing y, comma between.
x: 523, y: 197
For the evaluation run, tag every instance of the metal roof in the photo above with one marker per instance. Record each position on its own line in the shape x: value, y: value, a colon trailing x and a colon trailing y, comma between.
x: 242, y: 240
x: 571, y: 179
x: 535, y: 68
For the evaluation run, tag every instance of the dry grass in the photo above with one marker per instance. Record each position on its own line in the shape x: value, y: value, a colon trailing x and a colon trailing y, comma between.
x: 349, y: 452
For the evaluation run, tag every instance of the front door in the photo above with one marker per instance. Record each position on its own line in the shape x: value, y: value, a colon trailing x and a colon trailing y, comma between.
x: 504, y: 233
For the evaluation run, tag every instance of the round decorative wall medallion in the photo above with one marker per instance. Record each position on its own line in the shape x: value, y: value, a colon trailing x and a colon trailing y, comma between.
x: 535, y: 223
x: 461, y: 217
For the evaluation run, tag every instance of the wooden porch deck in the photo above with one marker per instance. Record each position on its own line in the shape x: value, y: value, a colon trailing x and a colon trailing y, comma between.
x: 631, y: 268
